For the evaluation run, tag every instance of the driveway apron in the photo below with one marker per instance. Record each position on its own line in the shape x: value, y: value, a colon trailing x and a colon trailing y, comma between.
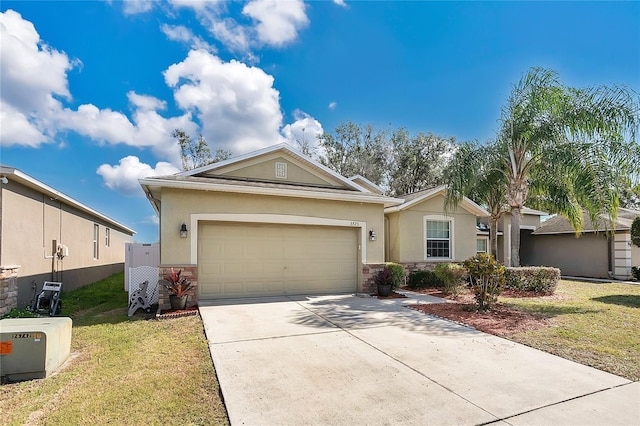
x: 347, y: 360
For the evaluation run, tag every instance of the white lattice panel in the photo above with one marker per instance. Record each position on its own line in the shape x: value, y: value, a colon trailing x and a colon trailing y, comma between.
x: 141, y: 274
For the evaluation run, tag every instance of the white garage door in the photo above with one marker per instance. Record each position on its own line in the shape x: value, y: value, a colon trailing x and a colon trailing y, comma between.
x: 243, y: 260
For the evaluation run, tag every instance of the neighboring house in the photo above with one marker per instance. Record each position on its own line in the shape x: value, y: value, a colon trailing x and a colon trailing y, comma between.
x: 419, y: 230
x: 53, y: 237
x: 530, y: 220
x: 271, y: 222
x: 594, y: 253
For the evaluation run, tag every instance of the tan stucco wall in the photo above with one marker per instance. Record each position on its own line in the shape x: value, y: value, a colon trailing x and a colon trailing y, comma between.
x: 31, y: 221
x: 178, y: 205
x: 586, y: 256
x: 407, y: 231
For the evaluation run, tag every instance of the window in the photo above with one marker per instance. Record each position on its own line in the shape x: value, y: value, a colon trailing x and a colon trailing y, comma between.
x: 438, y: 237
x: 107, y: 237
x: 481, y: 245
x: 96, y: 233
x: 281, y: 170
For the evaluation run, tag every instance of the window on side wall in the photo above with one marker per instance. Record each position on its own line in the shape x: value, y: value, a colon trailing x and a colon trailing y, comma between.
x: 107, y: 237
x: 438, y: 238
x: 481, y: 245
x: 96, y: 234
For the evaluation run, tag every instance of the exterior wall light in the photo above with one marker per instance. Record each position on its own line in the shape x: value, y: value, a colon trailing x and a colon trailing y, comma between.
x: 372, y: 235
x: 183, y: 231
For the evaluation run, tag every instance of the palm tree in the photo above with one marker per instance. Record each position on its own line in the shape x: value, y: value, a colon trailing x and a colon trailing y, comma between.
x: 566, y: 149
x: 475, y: 172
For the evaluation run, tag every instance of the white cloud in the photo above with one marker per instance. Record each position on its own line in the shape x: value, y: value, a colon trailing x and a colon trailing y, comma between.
x: 266, y: 22
x: 123, y: 177
x: 134, y: 7
x: 33, y: 74
x: 278, y: 22
x: 153, y: 220
x: 332, y: 105
x: 340, y: 3
x: 304, y: 131
x: 185, y: 35
x: 237, y: 104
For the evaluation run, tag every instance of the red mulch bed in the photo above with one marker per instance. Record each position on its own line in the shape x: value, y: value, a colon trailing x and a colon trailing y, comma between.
x: 500, y: 320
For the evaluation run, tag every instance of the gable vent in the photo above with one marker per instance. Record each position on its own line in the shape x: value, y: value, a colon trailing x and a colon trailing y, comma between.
x: 281, y: 170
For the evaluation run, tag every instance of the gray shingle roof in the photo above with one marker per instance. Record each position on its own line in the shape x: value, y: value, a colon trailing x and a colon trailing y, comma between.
x: 560, y: 225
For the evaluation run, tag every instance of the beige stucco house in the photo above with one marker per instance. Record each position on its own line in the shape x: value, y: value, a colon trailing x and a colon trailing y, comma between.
x: 419, y: 229
x: 271, y: 222
x: 594, y: 253
x: 52, y: 237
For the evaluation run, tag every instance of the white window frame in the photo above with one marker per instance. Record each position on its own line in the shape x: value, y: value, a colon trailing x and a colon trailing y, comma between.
x: 486, y: 244
x: 107, y: 237
x: 96, y: 239
x: 439, y: 218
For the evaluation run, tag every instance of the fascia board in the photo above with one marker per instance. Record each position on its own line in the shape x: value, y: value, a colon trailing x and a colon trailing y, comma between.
x: 216, y: 187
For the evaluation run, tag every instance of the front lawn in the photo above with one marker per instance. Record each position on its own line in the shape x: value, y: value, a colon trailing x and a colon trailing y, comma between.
x: 591, y: 323
x: 124, y: 371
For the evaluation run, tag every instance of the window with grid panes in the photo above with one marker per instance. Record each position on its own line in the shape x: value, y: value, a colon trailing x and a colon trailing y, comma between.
x: 438, y: 239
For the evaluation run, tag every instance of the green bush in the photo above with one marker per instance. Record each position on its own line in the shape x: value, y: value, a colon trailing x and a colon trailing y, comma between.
x: 397, y: 273
x: 635, y: 271
x: 453, y: 276
x: 540, y: 279
x: 487, y: 279
x: 424, y: 279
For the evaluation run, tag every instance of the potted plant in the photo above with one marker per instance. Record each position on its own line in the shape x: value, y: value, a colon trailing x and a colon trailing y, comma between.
x: 384, y: 281
x: 178, y: 287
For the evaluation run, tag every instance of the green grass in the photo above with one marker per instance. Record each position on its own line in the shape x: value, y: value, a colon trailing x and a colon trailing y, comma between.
x: 593, y: 324
x: 124, y: 371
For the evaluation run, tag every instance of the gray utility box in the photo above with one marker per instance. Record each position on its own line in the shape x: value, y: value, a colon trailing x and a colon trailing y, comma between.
x: 33, y: 348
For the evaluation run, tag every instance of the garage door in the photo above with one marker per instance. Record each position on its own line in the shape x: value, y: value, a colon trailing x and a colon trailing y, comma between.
x: 245, y: 260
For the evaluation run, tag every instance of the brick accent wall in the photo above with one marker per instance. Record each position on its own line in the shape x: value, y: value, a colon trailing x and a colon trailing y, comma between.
x: 8, y: 288
x: 190, y: 272
x: 370, y: 270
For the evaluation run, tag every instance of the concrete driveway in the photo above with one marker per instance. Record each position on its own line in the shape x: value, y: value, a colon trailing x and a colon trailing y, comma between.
x: 347, y: 360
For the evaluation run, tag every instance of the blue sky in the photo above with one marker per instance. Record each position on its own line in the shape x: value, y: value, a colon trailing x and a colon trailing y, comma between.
x: 91, y: 90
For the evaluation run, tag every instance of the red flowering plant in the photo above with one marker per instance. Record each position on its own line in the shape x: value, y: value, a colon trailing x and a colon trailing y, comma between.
x: 177, y: 285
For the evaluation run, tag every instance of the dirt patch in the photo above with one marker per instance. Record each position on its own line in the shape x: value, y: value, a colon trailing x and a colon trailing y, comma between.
x: 500, y: 320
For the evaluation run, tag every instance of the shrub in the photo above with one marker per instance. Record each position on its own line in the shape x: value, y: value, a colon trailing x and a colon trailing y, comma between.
x: 487, y: 279
x: 397, y: 273
x: 635, y: 231
x: 453, y: 276
x: 540, y: 279
x: 635, y: 271
x: 423, y: 279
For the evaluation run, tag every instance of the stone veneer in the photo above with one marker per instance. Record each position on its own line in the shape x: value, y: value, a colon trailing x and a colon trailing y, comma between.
x: 369, y: 271
x: 190, y: 272
x: 8, y: 288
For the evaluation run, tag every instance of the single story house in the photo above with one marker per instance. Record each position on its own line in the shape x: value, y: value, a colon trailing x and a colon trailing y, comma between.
x: 46, y: 235
x: 276, y: 222
x: 593, y: 253
x: 419, y: 230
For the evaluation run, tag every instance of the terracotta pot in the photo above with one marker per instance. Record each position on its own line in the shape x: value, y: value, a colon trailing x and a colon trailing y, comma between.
x: 178, y: 302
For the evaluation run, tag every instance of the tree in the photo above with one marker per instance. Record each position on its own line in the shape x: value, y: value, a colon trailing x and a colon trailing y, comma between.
x: 417, y: 162
x: 197, y: 154
x: 566, y: 149
x: 356, y: 150
x: 475, y: 172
